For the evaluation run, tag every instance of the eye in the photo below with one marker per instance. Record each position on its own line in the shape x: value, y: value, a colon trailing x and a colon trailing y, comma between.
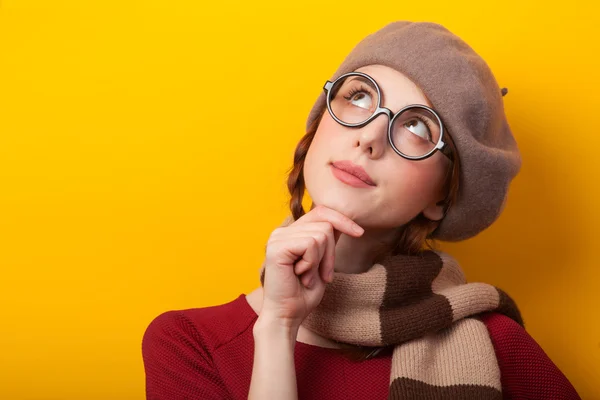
x: 419, y: 128
x: 361, y: 98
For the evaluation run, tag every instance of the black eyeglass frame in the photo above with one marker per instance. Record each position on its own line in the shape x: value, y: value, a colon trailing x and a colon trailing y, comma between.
x: 440, y: 145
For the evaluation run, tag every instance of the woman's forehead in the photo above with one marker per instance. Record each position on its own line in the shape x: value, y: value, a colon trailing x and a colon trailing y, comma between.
x: 397, y: 89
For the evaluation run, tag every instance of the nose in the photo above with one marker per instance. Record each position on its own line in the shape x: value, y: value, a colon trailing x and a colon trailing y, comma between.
x: 372, y: 138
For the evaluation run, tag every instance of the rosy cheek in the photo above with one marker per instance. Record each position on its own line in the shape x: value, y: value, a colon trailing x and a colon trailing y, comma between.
x: 413, y: 180
x: 433, y: 177
x: 327, y: 133
x: 329, y: 125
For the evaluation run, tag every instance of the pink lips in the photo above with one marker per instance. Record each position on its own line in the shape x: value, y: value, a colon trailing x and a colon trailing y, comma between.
x: 352, y: 174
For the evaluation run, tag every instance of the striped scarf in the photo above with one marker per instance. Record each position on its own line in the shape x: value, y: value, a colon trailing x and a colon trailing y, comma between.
x: 423, y: 307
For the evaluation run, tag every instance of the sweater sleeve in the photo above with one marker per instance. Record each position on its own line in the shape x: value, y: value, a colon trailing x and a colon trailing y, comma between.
x: 526, y: 370
x: 177, y: 362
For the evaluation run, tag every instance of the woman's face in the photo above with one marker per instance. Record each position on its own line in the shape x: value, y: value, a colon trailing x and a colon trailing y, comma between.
x: 400, y: 188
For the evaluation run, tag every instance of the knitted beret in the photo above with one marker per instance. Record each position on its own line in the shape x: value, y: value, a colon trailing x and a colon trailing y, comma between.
x: 462, y: 89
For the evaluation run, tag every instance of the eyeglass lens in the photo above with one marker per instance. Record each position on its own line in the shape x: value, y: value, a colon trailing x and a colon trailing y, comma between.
x: 414, y: 132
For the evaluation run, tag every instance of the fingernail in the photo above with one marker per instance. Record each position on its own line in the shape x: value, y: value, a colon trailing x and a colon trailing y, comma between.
x: 330, y: 276
x: 357, y: 229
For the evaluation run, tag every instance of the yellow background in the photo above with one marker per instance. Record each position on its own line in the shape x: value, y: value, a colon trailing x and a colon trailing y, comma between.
x: 143, y: 152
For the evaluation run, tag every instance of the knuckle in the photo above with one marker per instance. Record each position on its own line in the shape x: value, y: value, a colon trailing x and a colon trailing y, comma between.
x: 272, y: 249
x: 276, y: 232
x: 321, y: 237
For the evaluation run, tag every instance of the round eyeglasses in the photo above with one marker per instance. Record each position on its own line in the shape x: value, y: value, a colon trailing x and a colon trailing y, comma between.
x: 415, y: 132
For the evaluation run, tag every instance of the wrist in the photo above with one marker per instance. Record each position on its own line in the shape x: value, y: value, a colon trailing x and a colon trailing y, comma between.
x: 272, y: 328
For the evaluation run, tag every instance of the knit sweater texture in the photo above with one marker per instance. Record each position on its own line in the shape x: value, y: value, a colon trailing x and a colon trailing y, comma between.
x: 207, y: 353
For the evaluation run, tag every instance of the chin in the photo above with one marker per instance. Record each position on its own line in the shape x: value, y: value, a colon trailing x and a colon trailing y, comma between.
x: 341, y: 204
x: 368, y: 218
x: 326, y: 190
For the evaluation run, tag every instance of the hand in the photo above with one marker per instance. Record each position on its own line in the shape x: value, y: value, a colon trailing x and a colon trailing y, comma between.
x: 299, y: 263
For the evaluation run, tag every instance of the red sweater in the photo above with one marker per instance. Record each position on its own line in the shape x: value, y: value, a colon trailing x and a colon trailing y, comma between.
x: 207, y: 354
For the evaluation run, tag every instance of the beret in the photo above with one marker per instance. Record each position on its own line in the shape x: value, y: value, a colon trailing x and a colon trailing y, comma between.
x: 464, y: 92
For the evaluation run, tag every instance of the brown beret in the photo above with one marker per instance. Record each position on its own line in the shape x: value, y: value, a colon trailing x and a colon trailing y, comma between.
x: 464, y: 92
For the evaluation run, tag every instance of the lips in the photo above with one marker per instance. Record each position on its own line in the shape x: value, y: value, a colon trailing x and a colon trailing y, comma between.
x: 353, y: 169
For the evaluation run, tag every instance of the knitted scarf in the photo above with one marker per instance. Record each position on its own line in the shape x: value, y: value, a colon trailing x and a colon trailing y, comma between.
x: 423, y: 307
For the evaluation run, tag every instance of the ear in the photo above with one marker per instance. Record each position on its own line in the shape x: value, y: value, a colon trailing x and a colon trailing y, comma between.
x: 434, y: 212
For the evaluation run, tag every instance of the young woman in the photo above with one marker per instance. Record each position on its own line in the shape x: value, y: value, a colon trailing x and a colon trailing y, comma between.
x: 407, y: 143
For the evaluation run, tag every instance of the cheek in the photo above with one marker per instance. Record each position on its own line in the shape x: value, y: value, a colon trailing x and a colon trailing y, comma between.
x: 327, y: 132
x: 322, y: 147
x: 416, y: 184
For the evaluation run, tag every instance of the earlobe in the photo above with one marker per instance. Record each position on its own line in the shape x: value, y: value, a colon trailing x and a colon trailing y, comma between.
x: 434, y: 212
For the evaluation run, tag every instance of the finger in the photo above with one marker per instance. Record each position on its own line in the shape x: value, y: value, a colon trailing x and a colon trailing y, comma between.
x: 336, y: 235
x: 312, y: 253
x: 307, y: 279
x: 324, y: 232
x: 300, y: 250
x: 286, y: 252
x: 324, y: 239
x: 339, y: 221
x: 340, y: 224
x: 328, y: 259
x: 303, y: 266
x: 308, y: 263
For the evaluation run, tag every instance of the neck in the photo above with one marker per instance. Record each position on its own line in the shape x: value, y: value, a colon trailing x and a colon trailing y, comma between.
x: 357, y: 255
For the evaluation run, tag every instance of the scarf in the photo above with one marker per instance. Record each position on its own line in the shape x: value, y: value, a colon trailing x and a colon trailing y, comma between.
x: 423, y: 306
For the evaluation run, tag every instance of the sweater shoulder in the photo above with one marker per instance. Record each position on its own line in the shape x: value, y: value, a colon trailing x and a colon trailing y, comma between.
x: 502, y: 327
x: 525, y: 368
x: 507, y: 335
x: 213, y: 325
